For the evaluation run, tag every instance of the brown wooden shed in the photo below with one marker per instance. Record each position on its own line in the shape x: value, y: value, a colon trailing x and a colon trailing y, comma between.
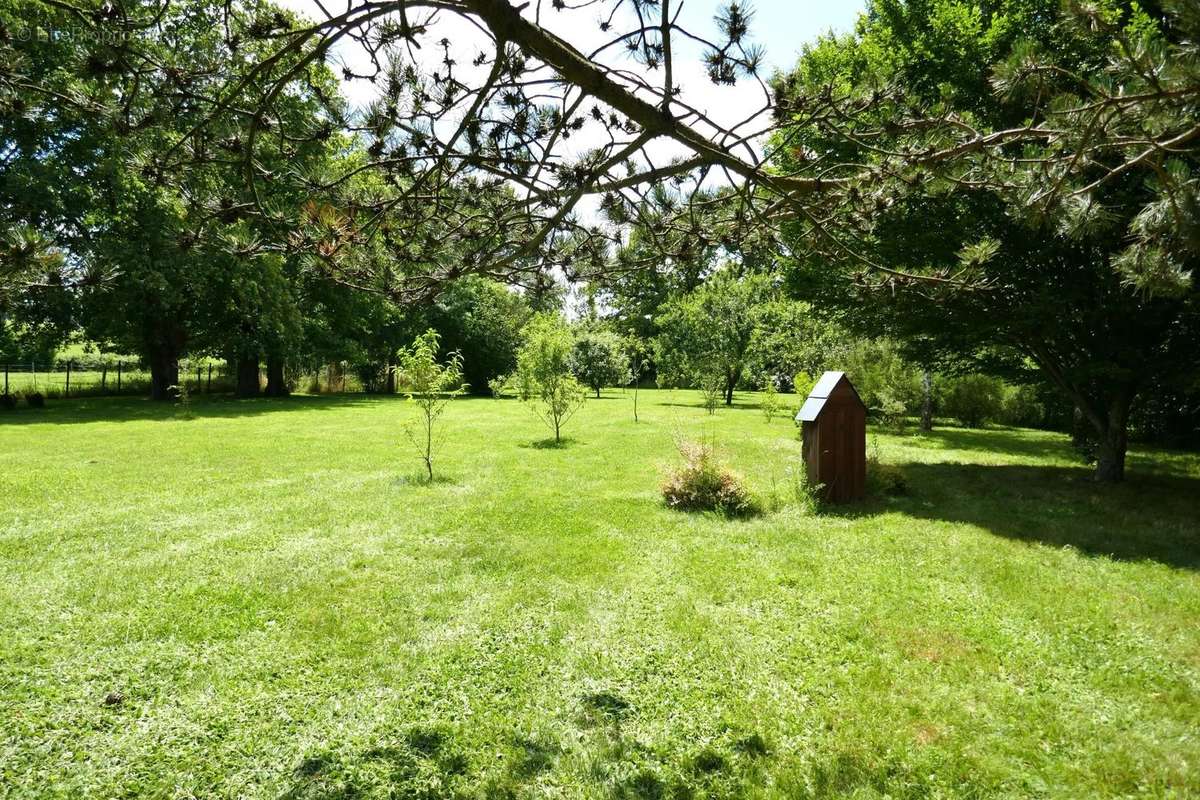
x: 834, y: 424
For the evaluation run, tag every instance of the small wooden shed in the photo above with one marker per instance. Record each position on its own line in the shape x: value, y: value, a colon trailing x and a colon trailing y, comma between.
x: 833, y: 421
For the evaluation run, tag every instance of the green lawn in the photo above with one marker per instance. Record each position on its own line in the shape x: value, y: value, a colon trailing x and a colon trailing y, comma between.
x: 288, y: 614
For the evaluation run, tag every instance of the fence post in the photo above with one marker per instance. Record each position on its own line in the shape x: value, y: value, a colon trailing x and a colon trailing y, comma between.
x: 67, y: 388
x: 118, y: 376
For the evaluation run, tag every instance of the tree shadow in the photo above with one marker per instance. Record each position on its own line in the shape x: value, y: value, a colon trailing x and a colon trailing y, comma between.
x: 738, y: 405
x: 1009, y: 441
x: 141, y: 409
x: 550, y: 444
x: 1150, y: 516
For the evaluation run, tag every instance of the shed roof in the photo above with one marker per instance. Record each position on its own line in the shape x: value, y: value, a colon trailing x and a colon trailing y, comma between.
x: 820, y: 393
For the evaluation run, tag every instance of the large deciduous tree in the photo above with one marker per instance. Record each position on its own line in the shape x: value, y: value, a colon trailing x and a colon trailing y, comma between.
x: 705, y: 336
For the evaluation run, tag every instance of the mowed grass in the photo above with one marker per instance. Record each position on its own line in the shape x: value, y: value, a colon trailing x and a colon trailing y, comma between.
x: 288, y: 613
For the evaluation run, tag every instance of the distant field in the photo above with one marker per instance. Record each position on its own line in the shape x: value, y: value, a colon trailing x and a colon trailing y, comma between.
x: 288, y: 614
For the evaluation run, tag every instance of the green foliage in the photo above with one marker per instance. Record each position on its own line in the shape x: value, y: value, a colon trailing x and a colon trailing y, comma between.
x: 888, y: 383
x: 974, y: 400
x: 430, y: 385
x: 544, y: 372
x: 800, y: 493
x: 1027, y: 265
x: 702, y: 483
x: 712, y: 391
x: 803, y: 383
x: 705, y: 336
x: 598, y: 359
x: 770, y: 402
x: 481, y: 320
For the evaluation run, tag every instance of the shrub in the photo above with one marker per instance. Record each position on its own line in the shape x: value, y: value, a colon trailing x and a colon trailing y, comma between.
x: 803, y: 383
x: 701, y: 483
x: 499, y: 385
x: 8, y: 402
x: 1023, y: 407
x: 974, y: 400
x: 891, y: 410
x: 884, y: 379
x: 35, y: 400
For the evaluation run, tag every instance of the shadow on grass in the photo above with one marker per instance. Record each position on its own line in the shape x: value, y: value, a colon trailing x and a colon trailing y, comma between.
x: 550, y: 444
x: 421, y: 480
x: 1009, y: 441
x: 140, y: 409
x: 1150, y: 516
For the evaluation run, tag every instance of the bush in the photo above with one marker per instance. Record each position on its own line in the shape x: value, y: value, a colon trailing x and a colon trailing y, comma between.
x: 803, y: 383
x: 35, y: 400
x: 499, y: 385
x: 974, y: 400
x: 886, y: 382
x: 701, y: 483
x: 8, y: 402
x: 1023, y: 407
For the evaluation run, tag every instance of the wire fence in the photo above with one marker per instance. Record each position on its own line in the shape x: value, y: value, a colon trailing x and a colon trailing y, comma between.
x: 100, y: 377
x: 80, y: 378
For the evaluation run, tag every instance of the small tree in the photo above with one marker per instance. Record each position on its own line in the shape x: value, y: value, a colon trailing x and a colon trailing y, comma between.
x: 770, y: 398
x: 544, y: 363
x: 597, y: 360
x: 639, y: 361
x: 712, y: 389
x: 431, y: 385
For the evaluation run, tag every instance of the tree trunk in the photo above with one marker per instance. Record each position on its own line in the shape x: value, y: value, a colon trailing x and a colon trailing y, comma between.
x: 1114, y: 441
x: 731, y: 380
x: 276, y: 385
x: 164, y: 374
x: 926, y: 401
x: 390, y: 383
x: 247, y: 376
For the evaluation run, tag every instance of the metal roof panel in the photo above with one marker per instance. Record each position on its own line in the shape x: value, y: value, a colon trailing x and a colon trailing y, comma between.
x: 825, y: 385
x: 811, y: 408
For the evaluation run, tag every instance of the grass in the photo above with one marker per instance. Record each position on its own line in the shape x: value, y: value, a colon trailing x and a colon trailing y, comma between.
x: 264, y: 601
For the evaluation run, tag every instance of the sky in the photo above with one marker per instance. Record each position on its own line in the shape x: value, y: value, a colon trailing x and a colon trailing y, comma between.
x: 782, y: 27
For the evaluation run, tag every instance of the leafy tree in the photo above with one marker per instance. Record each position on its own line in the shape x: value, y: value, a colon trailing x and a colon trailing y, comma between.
x: 482, y: 320
x: 704, y: 337
x: 431, y: 385
x: 974, y: 399
x: 990, y: 261
x: 598, y: 358
x: 544, y: 364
